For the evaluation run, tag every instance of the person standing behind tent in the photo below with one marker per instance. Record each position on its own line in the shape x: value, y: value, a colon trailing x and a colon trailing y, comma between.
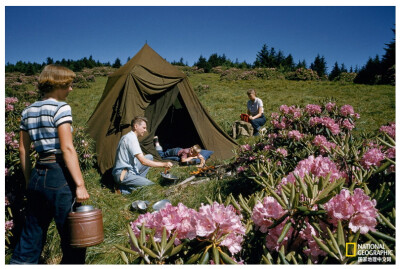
x: 131, y: 166
x: 255, y: 110
x: 56, y: 179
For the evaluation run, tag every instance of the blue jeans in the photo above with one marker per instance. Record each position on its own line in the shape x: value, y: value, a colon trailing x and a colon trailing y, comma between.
x: 131, y: 181
x: 168, y: 153
x: 50, y: 194
x: 257, y: 123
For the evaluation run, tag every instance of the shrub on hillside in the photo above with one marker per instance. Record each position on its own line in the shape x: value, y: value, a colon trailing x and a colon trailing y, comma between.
x: 346, y: 77
x: 269, y: 73
x: 302, y: 74
x: 80, y: 82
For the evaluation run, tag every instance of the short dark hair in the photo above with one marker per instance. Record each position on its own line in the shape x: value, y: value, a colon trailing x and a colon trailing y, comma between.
x: 55, y: 76
x: 138, y: 120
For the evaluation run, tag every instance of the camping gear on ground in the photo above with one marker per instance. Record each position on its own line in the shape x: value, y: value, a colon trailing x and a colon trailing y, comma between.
x: 160, y: 204
x: 140, y: 205
x: 168, y: 176
x: 191, y: 162
x: 241, y: 128
x: 85, y: 226
x: 244, y: 117
x: 147, y: 85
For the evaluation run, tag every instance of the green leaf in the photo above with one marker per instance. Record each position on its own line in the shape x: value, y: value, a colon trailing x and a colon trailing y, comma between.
x: 149, y: 252
x: 142, y: 238
x: 155, y: 245
x: 383, y: 236
x: 292, y: 195
x: 226, y: 258
x: 383, y: 167
x: 126, y: 249
x: 215, y: 254
x: 324, y: 247
x: 323, y: 194
x: 302, y: 185
x: 284, y: 231
x: 133, y: 237
x: 164, y: 239
x: 205, y: 258
x: 266, y: 260
x: 171, y: 242
x: 386, y: 221
x: 282, y: 256
x: 340, y: 235
x: 209, y: 200
x: 334, y: 242
x: 194, y: 258
x: 228, y: 201
x: 277, y: 198
x: 124, y: 258
x: 176, y: 250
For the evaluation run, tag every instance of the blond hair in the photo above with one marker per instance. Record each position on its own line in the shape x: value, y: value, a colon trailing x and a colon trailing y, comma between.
x: 55, y: 77
x: 196, y: 148
x: 138, y: 120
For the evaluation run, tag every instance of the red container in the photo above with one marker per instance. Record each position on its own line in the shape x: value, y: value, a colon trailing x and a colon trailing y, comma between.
x: 244, y: 117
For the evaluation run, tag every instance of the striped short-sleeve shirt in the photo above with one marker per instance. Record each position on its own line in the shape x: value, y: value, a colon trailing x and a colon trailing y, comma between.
x: 41, y: 120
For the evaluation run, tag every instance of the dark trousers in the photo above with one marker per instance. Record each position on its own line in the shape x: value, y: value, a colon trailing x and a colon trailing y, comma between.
x: 169, y: 152
x: 257, y: 123
x: 50, y: 195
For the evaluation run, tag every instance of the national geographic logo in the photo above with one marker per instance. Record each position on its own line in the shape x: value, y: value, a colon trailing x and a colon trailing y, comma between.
x: 351, y: 249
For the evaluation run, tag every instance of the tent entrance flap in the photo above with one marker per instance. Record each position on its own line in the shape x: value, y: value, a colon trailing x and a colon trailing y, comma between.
x: 177, y: 128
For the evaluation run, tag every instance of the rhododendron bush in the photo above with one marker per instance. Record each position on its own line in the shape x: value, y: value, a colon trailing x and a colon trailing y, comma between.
x: 314, y: 186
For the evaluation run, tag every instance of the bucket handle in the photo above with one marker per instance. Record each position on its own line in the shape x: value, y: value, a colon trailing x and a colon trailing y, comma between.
x: 72, y: 206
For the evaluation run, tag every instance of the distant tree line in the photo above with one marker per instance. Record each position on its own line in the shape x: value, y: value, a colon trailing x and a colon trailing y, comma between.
x: 375, y: 71
x: 29, y: 68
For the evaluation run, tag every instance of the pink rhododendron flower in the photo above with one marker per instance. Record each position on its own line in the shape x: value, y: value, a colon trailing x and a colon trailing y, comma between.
x: 266, y: 212
x: 389, y: 129
x: 6, y: 172
x: 284, y: 109
x: 323, y: 143
x: 313, y: 109
x: 10, y: 141
x: 282, y: 151
x: 11, y: 100
x: 295, y: 135
x: 9, y: 225
x: 330, y: 106
x: 246, y: 147
x: 347, y: 110
x: 9, y: 108
x: 316, y: 167
x: 391, y: 153
x: 275, y: 116
x: 357, y: 208
x: 313, y: 250
x: 373, y: 156
x: 348, y: 125
x: 240, y: 169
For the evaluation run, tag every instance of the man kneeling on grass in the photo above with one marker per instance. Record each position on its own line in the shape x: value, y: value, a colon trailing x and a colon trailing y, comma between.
x: 131, y: 166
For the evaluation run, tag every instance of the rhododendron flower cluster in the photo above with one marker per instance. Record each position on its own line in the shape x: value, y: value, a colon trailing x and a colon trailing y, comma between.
x: 215, y: 222
x: 323, y: 143
x: 9, y: 225
x: 373, y: 156
x: 292, y: 110
x: 266, y: 212
x: 282, y: 152
x: 10, y: 141
x: 358, y: 209
x: 313, y: 109
x: 326, y: 121
x: 294, y: 134
x: 347, y: 124
x: 389, y: 129
x: 316, y: 167
x: 347, y: 110
x: 313, y: 250
x: 11, y: 100
x: 330, y: 106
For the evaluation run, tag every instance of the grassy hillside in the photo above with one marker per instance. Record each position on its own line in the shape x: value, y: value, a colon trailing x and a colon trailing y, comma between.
x: 225, y: 100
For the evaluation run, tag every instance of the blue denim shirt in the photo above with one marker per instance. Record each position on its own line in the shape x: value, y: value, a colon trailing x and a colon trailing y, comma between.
x: 128, y: 148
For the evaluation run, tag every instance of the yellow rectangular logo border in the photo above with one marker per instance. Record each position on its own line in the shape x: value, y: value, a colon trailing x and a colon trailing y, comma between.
x: 354, y: 248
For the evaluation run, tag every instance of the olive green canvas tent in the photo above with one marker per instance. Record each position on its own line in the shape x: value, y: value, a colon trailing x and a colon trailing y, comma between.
x: 149, y: 86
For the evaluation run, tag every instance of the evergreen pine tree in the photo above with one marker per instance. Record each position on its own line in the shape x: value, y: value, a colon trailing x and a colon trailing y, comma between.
x: 335, y: 72
x: 117, y: 63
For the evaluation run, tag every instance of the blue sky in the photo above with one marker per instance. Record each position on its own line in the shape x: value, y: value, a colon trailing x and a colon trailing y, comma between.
x: 348, y: 35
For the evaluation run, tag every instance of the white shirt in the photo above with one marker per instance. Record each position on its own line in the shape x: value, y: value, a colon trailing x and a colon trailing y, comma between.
x: 254, y: 106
